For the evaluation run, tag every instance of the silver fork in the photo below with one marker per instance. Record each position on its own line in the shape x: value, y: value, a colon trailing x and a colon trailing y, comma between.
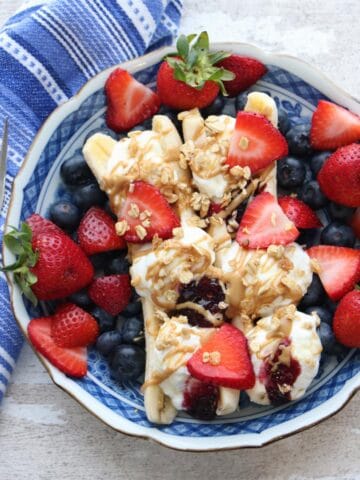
x: 3, y: 160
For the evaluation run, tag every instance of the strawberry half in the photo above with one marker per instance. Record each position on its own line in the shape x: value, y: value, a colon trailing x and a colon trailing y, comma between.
x: 264, y: 223
x: 255, y: 143
x: 333, y: 126
x: 299, y: 213
x: 339, y: 268
x: 72, y: 361
x: 346, y: 323
x: 129, y: 102
x: 147, y: 213
x: 224, y: 360
x: 111, y: 293
x: 73, y: 327
x: 96, y: 232
x: 247, y: 71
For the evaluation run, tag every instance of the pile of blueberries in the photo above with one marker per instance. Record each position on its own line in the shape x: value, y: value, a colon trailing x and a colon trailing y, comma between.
x: 121, y: 338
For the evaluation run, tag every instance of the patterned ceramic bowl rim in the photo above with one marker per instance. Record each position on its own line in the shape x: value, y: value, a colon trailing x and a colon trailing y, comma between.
x: 295, y: 66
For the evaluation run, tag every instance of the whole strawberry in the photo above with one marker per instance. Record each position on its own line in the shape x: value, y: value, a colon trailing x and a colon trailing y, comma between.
x: 73, y: 327
x: 49, y: 264
x: 247, y: 71
x: 96, y: 232
x: 347, y: 320
x: 190, y: 78
x: 339, y: 177
x: 111, y: 293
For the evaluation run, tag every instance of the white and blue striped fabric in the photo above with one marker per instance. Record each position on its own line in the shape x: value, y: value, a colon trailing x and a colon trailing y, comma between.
x: 48, y: 50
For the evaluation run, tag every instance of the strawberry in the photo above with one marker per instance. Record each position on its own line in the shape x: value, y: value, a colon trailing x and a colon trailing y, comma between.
x: 333, y: 126
x: 96, y: 232
x: 49, y: 264
x: 224, y: 360
x: 73, y: 327
x: 299, y: 213
x: 339, y: 268
x: 255, y: 143
x: 147, y: 213
x: 214, y: 208
x: 247, y: 71
x: 355, y: 223
x: 264, y: 223
x: 111, y: 293
x: 39, y: 224
x: 72, y: 361
x: 339, y: 177
x: 190, y: 78
x: 128, y: 101
x: 346, y: 323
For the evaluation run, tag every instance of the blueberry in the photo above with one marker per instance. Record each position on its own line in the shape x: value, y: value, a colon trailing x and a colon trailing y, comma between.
x: 318, y: 160
x: 311, y: 194
x: 101, y: 260
x: 340, y: 212
x: 81, y: 299
x: 308, y: 173
x: 244, y: 399
x: 299, y: 141
x: 314, y: 295
x: 214, y: 108
x: 107, y: 341
x: 105, y: 320
x: 75, y: 171
x: 133, y: 308
x: 309, y: 237
x: 338, y: 234
x: 229, y: 108
x: 284, y: 123
x: 132, y: 330
x: 128, y: 362
x: 240, y: 101
x: 65, y: 215
x: 117, y: 265
x: 290, y: 172
x: 324, y: 314
x: 87, y: 196
x: 327, y: 338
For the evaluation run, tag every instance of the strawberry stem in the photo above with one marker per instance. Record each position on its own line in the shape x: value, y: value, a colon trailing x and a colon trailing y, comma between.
x: 194, y: 65
x: 19, y: 243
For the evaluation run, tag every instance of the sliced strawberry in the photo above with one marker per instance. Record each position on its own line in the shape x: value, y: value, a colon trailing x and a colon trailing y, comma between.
x: 255, y: 143
x: 247, y: 71
x: 224, y: 360
x: 72, y: 361
x: 111, y: 293
x: 333, y: 126
x: 264, y: 223
x: 96, y: 232
x: 73, y: 327
x: 128, y: 101
x: 355, y: 223
x: 339, y: 268
x: 147, y: 213
x: 299, y: 213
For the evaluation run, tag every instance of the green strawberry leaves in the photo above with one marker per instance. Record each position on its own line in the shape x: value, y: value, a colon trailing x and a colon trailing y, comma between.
x: 19, y: 243
x: 194, y: 65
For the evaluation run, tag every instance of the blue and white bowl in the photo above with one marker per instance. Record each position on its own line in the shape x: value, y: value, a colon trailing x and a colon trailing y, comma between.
x: 296, y: 87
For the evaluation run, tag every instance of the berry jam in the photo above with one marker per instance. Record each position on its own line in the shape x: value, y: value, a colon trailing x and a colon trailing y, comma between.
x: 208, y: 293
x: 200, y: 399
x: 278, y: 377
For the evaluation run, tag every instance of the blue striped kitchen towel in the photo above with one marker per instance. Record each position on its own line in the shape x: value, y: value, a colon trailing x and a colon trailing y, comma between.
x: 48, y: 50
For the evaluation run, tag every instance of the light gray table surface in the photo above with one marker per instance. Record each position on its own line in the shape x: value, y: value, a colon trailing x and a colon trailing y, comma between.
x: 46, y: 435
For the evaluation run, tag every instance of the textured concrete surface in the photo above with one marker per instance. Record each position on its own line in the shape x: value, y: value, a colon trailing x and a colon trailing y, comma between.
x: 45, y: 435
